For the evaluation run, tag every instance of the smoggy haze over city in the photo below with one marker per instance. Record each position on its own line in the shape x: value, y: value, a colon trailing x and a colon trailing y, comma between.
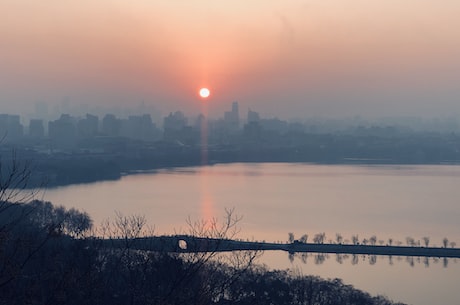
x: 284, y: 58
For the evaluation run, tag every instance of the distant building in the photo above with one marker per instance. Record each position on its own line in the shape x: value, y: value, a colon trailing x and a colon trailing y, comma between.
x: 200, y: 122
x: 176, y: 128
x: 111, y: 126
x: 11, y: 129
x: 139, y: 127
x: 88, y: 127
x: 232, y: 118
x: 296, y: 127
x: 36, y: 129
x: 253, y: 117
x: 252, y: 129
x: 274, y: 125
x: 175, y: 121
x: 63, y: 132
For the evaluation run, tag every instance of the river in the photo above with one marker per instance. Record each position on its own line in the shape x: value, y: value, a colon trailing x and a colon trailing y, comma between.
x: 390, y: 202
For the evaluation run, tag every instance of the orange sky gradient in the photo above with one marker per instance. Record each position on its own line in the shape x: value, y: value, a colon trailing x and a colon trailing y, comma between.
x: 284, y: 58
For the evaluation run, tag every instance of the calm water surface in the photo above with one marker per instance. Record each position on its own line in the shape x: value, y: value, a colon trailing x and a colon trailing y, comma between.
x: 274, y: 199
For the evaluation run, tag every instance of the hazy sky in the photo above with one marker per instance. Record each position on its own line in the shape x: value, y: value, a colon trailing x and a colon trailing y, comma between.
x: 287, y: 58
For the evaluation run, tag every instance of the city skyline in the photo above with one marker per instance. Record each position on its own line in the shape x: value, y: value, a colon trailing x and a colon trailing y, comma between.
x: 235, y: 117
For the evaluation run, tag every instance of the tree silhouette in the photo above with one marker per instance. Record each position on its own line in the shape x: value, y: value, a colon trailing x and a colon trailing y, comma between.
x: 373, y: 240
x: 426, y: 240
x: 319, y: 238
x: 338, y: 238
x: 304, y: 238
x: 355, y: 239
x: 410, y: 241
x: 19, y: 242
x: 445, y: 242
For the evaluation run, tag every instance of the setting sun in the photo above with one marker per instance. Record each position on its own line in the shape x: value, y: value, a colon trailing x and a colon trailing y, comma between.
x: 204, y: 92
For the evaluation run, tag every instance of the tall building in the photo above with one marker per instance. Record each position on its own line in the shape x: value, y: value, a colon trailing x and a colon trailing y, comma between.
x: 111, y: 126
x: 232, y: 118
x: 88, y: 127
x: 10, y: 127
x: 36, y: 128
x: 139, y: 127
x: 63, y: 132
x: 176, y: 128
x: 253, y: 117
x: 174, y: 122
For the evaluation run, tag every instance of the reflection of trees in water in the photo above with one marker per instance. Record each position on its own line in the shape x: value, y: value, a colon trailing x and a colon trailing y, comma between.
x: 410, y: 260
x: 303, y: 257
x: 339, y: 258
x: 320, y: 258
x: 371, y: 259
x: 355, y: 259
x: 426, y: 262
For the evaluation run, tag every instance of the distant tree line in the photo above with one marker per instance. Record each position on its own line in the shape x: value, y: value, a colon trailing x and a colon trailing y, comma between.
x: 320, y: 238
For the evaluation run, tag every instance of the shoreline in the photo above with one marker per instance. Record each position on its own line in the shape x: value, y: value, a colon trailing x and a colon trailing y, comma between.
x: 54, y: 183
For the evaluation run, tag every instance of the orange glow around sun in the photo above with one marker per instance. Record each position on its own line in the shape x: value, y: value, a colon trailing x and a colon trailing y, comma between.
x: 204, y: 92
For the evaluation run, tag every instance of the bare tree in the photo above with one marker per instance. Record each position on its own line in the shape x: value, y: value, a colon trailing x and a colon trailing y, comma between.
x: 445, y: 242
x: 15, y: 176
x: 373, y: 240
x: 410, y: 241
x: 59, y: 220
x: 209, y: 262
x: 304, y: 238
x: 319, y: 238
x: 15, y: 191
x: 453, y: 244
x: 390, y: 241
x: 291, y: 237
x: 426, y: 241
x: 355, y: 239
x: 192, y: 277
x: 339, y: 238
